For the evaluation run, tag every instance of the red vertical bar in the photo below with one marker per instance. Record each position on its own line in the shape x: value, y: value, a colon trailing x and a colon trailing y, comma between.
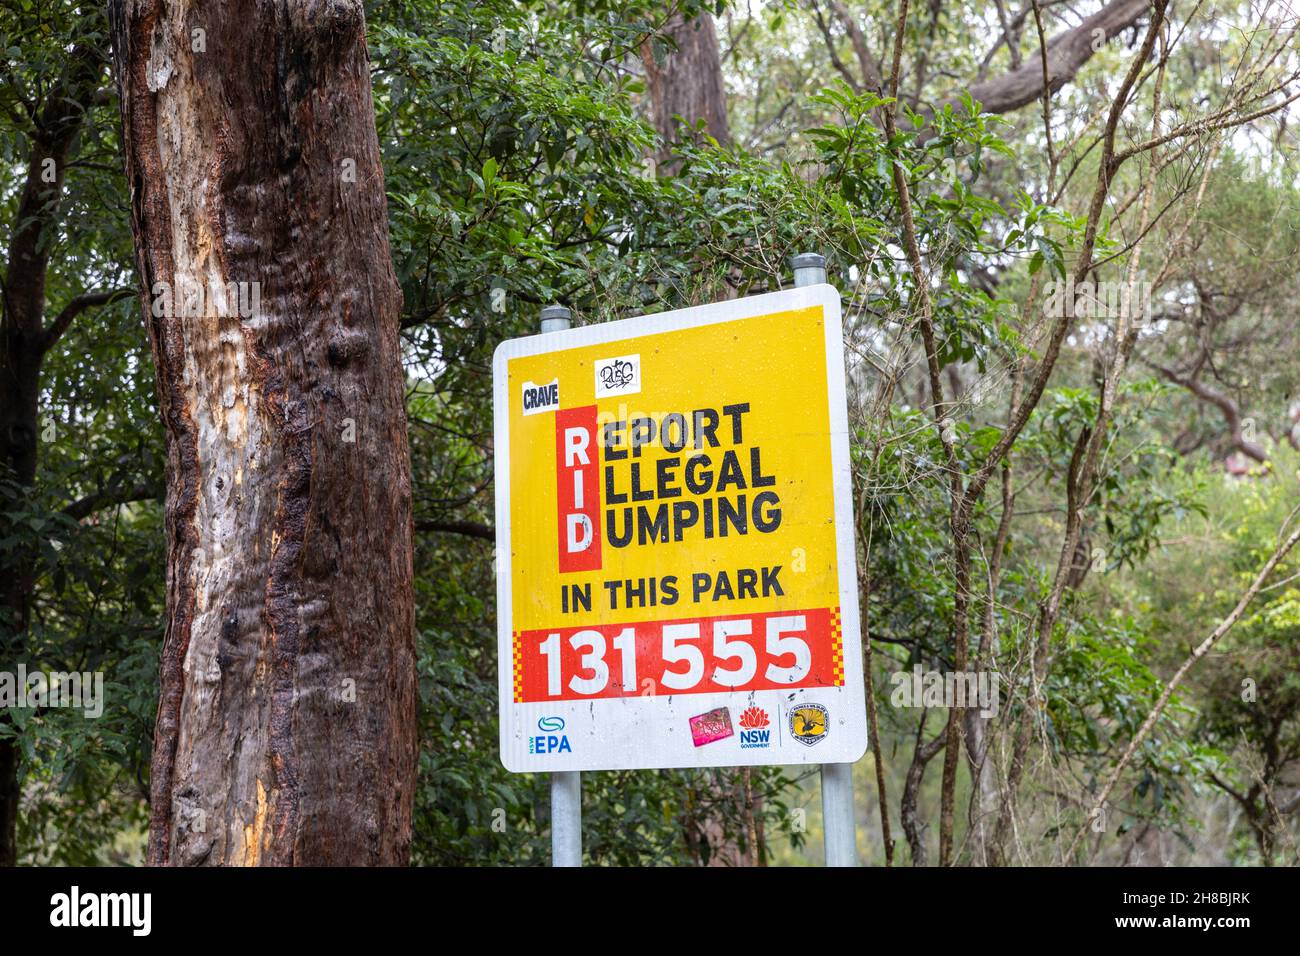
x: 577, y: 470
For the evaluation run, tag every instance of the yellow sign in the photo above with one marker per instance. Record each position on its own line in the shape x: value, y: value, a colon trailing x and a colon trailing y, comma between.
x: 676, y: 540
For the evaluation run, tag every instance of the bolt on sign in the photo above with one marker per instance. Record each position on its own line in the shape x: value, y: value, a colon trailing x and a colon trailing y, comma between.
x: 676, y: 577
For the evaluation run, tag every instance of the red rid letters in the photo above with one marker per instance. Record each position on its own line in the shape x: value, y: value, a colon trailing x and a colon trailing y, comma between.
x: 577, y: 464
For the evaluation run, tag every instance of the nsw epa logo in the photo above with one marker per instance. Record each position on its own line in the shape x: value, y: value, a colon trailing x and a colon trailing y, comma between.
x: 551, y: 741
x: 754, y: 728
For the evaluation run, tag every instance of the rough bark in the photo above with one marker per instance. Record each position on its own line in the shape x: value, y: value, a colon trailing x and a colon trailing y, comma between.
x: 286, y: 720
x: 687, y: 83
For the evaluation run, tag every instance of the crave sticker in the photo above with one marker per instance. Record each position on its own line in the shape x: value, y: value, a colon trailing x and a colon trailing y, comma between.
x: 675, y: 540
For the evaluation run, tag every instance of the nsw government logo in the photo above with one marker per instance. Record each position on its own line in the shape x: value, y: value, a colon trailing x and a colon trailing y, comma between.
x: 754, y: 732
x: 551, y: 740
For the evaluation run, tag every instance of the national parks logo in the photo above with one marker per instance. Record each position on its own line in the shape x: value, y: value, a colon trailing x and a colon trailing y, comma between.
x: 809, y: 723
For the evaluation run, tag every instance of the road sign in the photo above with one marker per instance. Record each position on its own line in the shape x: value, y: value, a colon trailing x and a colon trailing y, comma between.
x: 676, y: 578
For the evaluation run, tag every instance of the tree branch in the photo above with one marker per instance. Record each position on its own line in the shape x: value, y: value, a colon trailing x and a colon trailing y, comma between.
x: 871, y: 78
x: 110, y: 496
x: 471, y: 529
x: 1231, y: 413
x: 75, y: 307
x: 836, y: 62
x: 1066, y: 53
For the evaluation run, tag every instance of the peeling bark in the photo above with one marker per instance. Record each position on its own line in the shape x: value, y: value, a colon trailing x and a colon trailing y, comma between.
x: 286, y: 720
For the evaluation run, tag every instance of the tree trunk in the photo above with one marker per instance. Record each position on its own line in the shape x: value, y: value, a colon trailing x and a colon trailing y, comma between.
x: 687, y: 83
x: 984, y: 794
x: 19, y: 388
x: 286, y: 719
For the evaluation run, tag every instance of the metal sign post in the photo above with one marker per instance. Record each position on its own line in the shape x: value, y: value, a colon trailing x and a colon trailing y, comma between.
x: 566, y: 786
x: 837, y: 778
x: 566, y: 818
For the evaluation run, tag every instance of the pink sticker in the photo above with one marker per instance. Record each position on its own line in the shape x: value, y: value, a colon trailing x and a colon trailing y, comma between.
x: 715, y: 725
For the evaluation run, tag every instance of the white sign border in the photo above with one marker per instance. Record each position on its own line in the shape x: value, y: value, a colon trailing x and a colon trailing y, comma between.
x: 850, y: 728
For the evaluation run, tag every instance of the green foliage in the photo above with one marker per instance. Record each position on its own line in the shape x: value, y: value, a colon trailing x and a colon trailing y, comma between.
x: 1099, y: 692
x: 1248, y: 688
x: 513, y: 138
